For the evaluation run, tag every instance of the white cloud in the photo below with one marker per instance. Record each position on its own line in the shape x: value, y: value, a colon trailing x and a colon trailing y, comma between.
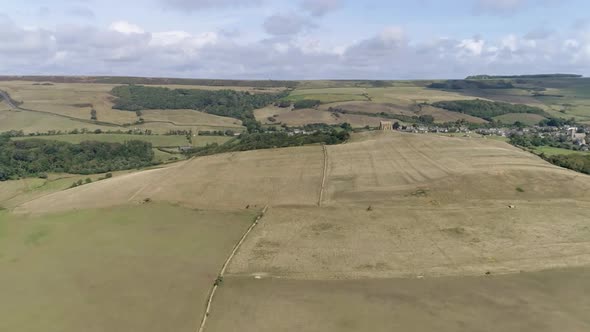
x: 124, y: 48
x: 125, y: 27
x: 471, y: 46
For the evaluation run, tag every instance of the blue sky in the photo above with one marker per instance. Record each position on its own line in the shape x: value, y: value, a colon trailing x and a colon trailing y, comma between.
x: 300, y: 39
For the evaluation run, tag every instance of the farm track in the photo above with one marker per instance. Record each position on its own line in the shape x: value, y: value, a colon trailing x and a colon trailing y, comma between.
x: 189, y: 124
x: 324, y: 175
x: 224, y: 267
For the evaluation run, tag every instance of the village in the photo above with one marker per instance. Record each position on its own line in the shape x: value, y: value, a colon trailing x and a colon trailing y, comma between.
x: 568, y: 137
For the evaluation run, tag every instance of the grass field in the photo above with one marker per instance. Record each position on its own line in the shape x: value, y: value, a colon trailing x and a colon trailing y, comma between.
x: 309, y: 116
x: 30, y: 122
x: 155, y: 140
x: 192, y: 118
x: 16, y: 192
x: 93, y: 270
x: 549, y: 151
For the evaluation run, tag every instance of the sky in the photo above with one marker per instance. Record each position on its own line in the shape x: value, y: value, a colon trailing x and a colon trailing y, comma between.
x: 297, y: 39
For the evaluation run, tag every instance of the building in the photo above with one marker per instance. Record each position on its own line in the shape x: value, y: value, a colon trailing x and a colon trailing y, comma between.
x: 385, y: 125
x: 577, y: 138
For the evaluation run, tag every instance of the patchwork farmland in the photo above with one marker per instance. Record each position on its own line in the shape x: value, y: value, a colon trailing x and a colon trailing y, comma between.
x: 390, y: 230
x: 399, y: 211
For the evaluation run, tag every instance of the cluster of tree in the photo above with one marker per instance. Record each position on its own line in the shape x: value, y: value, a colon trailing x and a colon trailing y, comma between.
x: 577, y: 162
x: 380, y: 84
x: 258, y: 141
x: 34, y: 157
x: 283, y: 103
x: 557, y: 122
x: 179, y: 132
x: 534, y: 140
x: 81, y: 182
x: 306, y: 103
x: 486, y: 109
x: 492, y: 77
x: 471, y: 84
x: 216, y: 133
x: 20, y: 133
x: 230, y: 103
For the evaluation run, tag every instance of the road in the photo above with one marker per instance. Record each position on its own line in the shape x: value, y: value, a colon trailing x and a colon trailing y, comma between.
x: 7, y: 99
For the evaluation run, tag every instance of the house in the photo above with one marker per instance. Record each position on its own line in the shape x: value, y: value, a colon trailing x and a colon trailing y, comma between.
x: 385, y: 125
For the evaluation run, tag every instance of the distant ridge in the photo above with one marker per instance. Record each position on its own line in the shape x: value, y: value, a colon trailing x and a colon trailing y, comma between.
x: 491, y: 77
x: 151, y: 80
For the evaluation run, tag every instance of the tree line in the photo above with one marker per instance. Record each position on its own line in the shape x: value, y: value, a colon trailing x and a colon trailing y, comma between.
x: 486, y: 109
x: 35, y: 157
x: 577, y: 162
x: 235, y: 104
x: 258, y: 141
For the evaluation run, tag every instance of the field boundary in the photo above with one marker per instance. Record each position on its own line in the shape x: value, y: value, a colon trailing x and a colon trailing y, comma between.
x: 224, y: 267
x: 324, y: 175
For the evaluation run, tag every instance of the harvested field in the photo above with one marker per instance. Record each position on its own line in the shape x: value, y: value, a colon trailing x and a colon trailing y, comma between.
x: 263, y: 114
x: 55, y: 103
x: 544, y: 301
x: 94, y: 270
x: 287, y: 176
x: 309, y: 116
x: 192, y: 118
x: 371, y: 108
x: 381, y: 167
x: 415, y: 231
x: 69, y: 99
x: 421, y: 238
x: 411, y: 95
x: 440, y: 115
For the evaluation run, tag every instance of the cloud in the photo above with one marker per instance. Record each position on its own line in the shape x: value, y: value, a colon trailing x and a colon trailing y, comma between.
x: 123, y: 48
x: 286, y: 24
x: 321, y: 7
x: 17, y: 41
x: 195, y: 5
x: 125, y: 27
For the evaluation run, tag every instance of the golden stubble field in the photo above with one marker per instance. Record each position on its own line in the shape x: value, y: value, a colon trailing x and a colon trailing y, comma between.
x: 411, y: 231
